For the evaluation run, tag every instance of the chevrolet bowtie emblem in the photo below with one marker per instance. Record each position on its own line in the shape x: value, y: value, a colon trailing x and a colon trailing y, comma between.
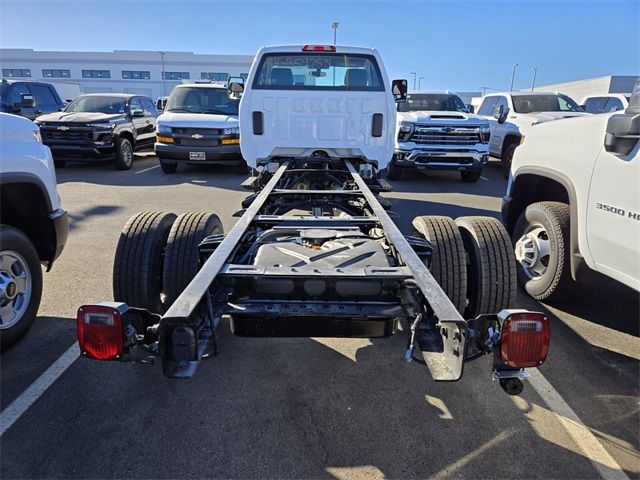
x: 197, y: 136
x: 63, y: 128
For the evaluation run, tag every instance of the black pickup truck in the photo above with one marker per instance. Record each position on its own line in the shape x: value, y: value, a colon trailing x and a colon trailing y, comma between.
x: 28, y: 99
x: 100, y: 127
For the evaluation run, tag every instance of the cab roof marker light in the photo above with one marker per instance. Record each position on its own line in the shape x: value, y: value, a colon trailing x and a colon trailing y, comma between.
x: 319, y: 48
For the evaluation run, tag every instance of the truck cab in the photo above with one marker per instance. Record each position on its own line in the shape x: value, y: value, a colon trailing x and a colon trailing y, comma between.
x: 28, y: 99
x: 511, y: 115
x: 337, y: 102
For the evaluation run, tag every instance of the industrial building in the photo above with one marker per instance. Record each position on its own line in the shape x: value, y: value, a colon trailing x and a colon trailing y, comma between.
x: 592, y: 86
x: 151, y: 73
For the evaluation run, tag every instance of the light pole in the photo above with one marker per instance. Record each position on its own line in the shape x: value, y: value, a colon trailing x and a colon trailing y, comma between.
x: 533, y: 82
x: 513, y: 75
x: 484, y: 90
x: 164, y: 80
x: 335, y: 25
x: 420, y: 82
x: 414, y: 80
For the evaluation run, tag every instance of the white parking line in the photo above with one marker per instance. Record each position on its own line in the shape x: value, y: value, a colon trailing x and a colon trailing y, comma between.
x: 484, y: 178
x: 147, y: 169
x: 586, y: 441
x: 21, y: 404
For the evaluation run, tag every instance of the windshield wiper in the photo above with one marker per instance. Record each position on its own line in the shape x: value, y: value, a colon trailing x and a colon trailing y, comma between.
x: 220, y: 112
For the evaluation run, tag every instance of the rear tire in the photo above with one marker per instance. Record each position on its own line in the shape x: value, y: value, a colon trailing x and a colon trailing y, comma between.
x: 137, y: 267
x: 547, y: 276
x: 21, y: 275
x: 448, y: 260
x: 124, y: 154
x: 181, y: 257
x: 470, y: 175
x: 168, y: 168
x: 507, y: 159
x: 491, y: 265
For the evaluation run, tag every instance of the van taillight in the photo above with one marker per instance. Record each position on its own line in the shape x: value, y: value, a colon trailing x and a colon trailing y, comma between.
x: 525, y: 339
x: 319, y: 48
x: 100, y: 333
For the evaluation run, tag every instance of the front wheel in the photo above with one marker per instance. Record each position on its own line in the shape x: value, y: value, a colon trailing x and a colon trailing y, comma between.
x: 168, y: 168
x: 20, y: 285
x: 124, y: 154
x: 507, y: 158
x: 470, y: 175
x: 393, y: 172
x: 541, y: 244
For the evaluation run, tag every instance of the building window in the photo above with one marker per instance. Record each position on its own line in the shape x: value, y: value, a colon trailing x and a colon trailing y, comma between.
x: 136, y: 75
x: 176, y: 75
x: 96, y: 74
x: 56, y: 73
x: 221, y: 77
x: 16, y: 72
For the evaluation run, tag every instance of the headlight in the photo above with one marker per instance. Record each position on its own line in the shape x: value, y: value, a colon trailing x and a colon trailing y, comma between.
x: 485, y: 133
x: 36, y: 136
x: 163, y: 129
x: 232, y: 131
x: 104, y: 126
x: 406, y: 127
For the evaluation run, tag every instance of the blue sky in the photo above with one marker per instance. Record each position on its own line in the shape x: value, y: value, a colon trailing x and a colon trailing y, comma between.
x: 453, y: 44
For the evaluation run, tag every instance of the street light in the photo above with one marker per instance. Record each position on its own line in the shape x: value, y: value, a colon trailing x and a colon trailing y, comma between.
x: 533, y: 82
x: 414, y: 79
x: 335, y: 25
x: 420, y: 82
x: 484, y: 90
x: 513, y: 74
x: 164, y: 80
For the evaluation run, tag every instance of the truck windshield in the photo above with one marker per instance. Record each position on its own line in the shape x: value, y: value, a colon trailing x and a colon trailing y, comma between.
x: 202, y: 100
x: 438, y: 102
x: 97, y: 104
x: 544, y: 103
x: 318, y: 71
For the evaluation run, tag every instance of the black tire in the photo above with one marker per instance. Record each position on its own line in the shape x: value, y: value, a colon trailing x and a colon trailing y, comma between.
x: 555, y: 282
x: 137, y: 267
x: 14, y: 240
x: 448, y: 261
x: 491, y: 265
x: 394, y: 173
x: 168, y: 167
x: 59, y: 163
x: 243, y: 168
x: 181, y: 258
x: 507, y: 158
x: 124, y: 154
x: 470, y: 175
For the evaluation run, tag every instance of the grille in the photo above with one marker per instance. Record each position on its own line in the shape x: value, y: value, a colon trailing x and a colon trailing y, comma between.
x: 184, y: 136
x: 445, y: 135
x: 199, y: 131
x: 71, y: 135
x: 196, y: 142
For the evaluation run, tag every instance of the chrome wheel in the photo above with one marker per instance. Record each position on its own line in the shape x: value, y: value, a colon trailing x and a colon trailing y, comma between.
x: 16, y: 285
x: 533, y: 251
x: 127, y: 153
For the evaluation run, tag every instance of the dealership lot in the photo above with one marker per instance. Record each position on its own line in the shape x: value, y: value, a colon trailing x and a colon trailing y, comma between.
x: 326, y: 408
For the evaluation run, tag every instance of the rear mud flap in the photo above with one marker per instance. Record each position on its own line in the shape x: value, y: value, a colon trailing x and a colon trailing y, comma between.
x: 443, y: 348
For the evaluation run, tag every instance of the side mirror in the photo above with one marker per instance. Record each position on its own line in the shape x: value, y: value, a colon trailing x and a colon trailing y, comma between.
x: 499, y: 113
x: 236, y: 87
x: 469, y: 108
x: 137, y: 113
x: 399, y: 90
x: 623, y: 133
x: 27, y: 100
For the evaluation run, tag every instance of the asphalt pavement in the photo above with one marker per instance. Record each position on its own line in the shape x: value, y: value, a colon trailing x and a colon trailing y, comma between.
x: 310, y: 408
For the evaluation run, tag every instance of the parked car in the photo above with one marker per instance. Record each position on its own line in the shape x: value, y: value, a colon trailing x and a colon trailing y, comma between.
x: 573, y: 203
x: 610, y: 102
x: 100, y: 126
x: 435, y: 131
x: 33, y: 228
x: 28, y: 99
x: 511, y: 116
x: 199, y: 126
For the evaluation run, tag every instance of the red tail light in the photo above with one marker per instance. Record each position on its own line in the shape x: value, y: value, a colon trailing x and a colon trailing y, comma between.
x: 525, y: 339
x: 100, y: 333
x: 319, y: 48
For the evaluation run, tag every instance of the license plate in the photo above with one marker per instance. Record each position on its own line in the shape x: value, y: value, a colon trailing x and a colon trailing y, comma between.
x: 197, y: 156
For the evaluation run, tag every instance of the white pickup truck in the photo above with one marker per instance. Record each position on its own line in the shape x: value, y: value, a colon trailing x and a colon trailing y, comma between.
x: 511, y: 116
x: 34, y: 225
x: 435, y: 131
x: 573, y: 203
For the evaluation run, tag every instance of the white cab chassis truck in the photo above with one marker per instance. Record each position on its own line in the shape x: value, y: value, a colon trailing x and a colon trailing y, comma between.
x: 33, y: 224
x: 511, y: 115
x: 314, y: 252
x: 573, y: 202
